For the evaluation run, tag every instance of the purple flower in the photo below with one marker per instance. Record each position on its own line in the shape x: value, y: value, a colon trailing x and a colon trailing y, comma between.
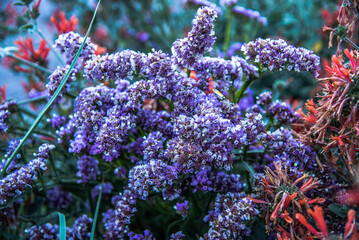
x: 283, y: 112
x: 4, y: 113
x: 250, y: 14
x: 264, y: 98
x: 204, y: 3
x: 81, y: 230
x: 69, y: 44
x: 44, y: 232
x: 277, y: 54
x: 58, y: 198
x: 229, y: 219
x: 237, y: 46
x: 120, y: 172
x: 147, y: 235
x: 106, y: 189
x: 56, y: 78
x: 177, y: 236
x: 15, y: 183
x: 199, y: 40
x: 228, y: 3
x: 87, y: 169
x: 182, y: 208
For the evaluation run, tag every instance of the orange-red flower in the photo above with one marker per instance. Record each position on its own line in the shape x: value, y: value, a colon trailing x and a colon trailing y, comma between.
x: 62, y: 24
x: 28, y: 52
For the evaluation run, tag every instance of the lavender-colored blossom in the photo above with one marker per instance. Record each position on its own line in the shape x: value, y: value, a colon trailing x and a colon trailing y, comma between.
x: 115, y: 66
x: 199, y: 40
x: 283, y: 112
x: 277, y: 54
x: 249, y: 70
x: 250, y: 14
x: 59, y: 198
x: 56, y: 121
x: 207, y: 180
x: 228, y: 3
x: 106, y: 189
x: 120, y: 172
x: 44, y: 232
x: 182, y: 208
x: 204, y: 3
x: 81, y: 229
x: 15, y: 183
x: 10, y: 149
x: 69, y: 43
x: 4, y: 113
x: 56, y: 78
x: 153, y: 146
x: 221, y: 70
x: 147, y: 235
x: 66, y: 131
x: 87, y: 169
x: 152, y: 176
x: 229, y: 219
x: 249, y: 130
x: 177, y: 236
x: 264, y: 98
x: 299, y: 155
x: 233, y: 48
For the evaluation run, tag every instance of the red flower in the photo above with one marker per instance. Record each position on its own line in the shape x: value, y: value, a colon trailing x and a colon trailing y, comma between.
x: 28, y: 52
x: 3, y: 93
x: 62, y: 24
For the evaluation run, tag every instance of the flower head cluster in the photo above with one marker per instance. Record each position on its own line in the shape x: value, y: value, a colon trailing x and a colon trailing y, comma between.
x: 59, y: 198
x: 250, y: 14
x: 283, y: 112
x: 182, y: 208
x: 56, y: 78
x: 277, y: 54
x: 232, y: 211
x: 199, y: 40
x: 69, y: 43
x: 87, y: 169
x: 204, y: 3
x: 17, y: 182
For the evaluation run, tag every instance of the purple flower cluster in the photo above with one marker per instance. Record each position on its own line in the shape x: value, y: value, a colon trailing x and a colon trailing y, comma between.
x: 106, y: 189
x: 69, y: 44
x: 177, y: 236
x: 120, y: 172
x: 56, y: 78
x: 232, y: 211
x: 277, y: 54
x: 264, y: 98
x: 147, y: 235
x: 229, y: 3
x: 80, y: 230
x: 207, y: 180
x: 297, y: 155
x: 182, y: 208
x: 250, y: 14
x: 15, y: 183
x: 200, y: 39
x: 56, y: 121
x: 283, y: 112
x: 204, y: 3
x: 59, y: 198
x: 4, y: 113
x: 87, y: 169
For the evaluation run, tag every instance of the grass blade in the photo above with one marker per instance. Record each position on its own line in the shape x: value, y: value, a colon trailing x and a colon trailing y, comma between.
x: 62, y: 223
x: 96, y: 214
x: 52, y: 100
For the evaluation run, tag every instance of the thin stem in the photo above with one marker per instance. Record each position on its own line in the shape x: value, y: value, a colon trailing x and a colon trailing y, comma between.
x: 243, y: 88
x: 227, y: 37
x: 39, y: 31
x: 35, y: 99
x: 351, y: 43
x: 52, y: 100
x: 29, y: 63
x: 96, y: 213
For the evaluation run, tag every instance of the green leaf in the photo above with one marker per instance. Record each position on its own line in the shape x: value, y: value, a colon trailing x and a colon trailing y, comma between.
x: 339, y: 210
x: 18, y: 4
x: 96, y: 214
x: 26, y: 26
x: 62, y: 223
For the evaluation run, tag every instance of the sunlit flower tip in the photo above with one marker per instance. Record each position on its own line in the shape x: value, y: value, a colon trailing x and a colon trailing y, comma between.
x: 308, y: 185
x: 256, y: 200
x: 353, y: 57
x: 318, y: 216
x: 316, y: 200
x: 350, y: 225
x: 279, y: 207
x: 286, y: 217
x: 338, y: 69
x: 62, y: 24
x: 289, y: 200
x: 99, y: 50
x: 303, y: 221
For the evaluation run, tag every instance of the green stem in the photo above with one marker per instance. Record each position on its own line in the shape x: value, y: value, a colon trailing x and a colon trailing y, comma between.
x: 351, y: 43
x: 35, y: 99
x: 52, y: 100
x: 96, y: 213
x: 29, y: 63
x: 39, y: 31
x: 227, y: 37
x: 243, y: 88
